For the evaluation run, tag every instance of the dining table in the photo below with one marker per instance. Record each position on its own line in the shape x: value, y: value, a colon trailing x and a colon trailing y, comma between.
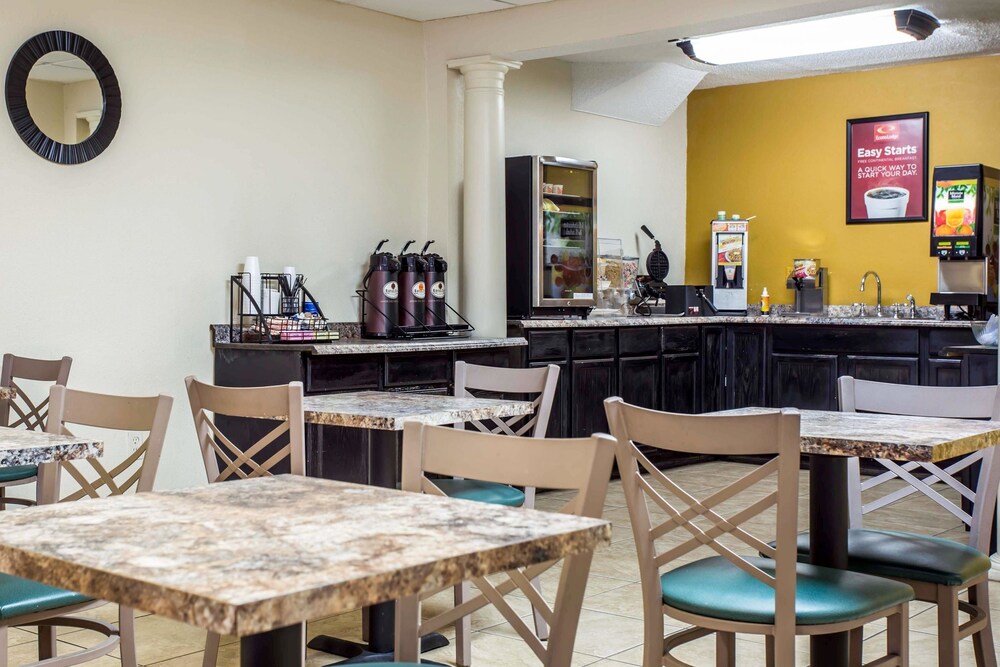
x: 382, y: 414
x: 8, y: 393
x: 830, y: 439
x: 305, y: 548
x: 20, y: 447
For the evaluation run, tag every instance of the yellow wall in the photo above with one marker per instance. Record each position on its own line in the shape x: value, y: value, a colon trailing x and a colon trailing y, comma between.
x: 777, y: 150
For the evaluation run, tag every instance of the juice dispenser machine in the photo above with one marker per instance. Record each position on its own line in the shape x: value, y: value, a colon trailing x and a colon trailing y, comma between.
x: 730, y: 242
x: 964, y: 233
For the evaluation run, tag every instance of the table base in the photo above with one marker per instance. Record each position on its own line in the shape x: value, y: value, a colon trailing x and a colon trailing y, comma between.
x: 829, y: 522
x: 358, y: 653
x: 277, y: 648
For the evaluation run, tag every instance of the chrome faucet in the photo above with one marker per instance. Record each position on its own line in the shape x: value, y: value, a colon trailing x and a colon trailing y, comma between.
x: 878, y: 284
x: 913, y: 306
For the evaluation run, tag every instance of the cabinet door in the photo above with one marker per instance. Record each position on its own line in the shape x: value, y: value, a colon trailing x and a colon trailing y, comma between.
x: 639, y: 381
x: 713, y: 369
x: 593, y: 380
x: 944, y: 373
x: 804, y: 381
x: 680, y: 383
x: 746, y: 351
x: 559, y: 416
x: 897, y: 370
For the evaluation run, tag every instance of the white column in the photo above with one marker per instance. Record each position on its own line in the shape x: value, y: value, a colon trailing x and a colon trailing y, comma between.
x: 483, y: 266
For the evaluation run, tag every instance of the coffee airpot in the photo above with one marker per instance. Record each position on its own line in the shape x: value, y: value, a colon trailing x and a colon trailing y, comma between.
x: 412, y: 289
x: 382, y: 291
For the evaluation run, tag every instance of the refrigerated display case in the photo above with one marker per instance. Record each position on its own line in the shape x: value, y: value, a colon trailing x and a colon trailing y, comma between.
x: 551, y: 236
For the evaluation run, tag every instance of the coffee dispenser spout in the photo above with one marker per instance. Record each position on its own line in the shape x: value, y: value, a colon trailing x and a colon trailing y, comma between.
x: 426, y: 246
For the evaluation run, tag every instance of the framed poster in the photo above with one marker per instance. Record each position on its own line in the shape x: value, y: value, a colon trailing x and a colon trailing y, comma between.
x: 887, y: 168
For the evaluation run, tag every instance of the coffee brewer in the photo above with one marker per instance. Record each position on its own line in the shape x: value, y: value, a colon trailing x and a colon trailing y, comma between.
x: 381, y: 290
x: 435, y: 310
x: 412, y: 288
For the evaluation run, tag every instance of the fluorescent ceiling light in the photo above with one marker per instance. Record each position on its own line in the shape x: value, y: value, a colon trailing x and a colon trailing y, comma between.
x: 826, y: 35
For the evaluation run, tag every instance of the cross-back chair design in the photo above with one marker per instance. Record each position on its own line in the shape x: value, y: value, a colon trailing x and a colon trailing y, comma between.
x: 225, y: 459
x: 53, y: 607
x: 582, y: 465
x: 282, y: 403
x: 473, y: 381
x: 722, y: 594
x: 25, y: 411
x: 938, y: 570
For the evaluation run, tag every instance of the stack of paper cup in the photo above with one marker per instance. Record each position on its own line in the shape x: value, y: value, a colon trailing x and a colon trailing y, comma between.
x: 251, y: 266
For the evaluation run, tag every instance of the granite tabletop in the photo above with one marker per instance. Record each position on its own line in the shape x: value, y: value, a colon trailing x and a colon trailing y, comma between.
x: 19, y: 447
x: 304, y: 548
x: 895, y: 437
x: 388, y: 410
x: 7, y: 393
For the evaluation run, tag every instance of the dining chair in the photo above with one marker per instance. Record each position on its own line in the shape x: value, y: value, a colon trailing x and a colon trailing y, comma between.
x: 226, y: 460
x: 938, y: 570
x: 736, y: 590
x: 473, y: 381
x: 26, y: 412
x: 24, y: 602
x: 581, y: 465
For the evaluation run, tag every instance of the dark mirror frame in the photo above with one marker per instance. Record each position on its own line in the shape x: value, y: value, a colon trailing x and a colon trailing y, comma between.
x: 17, y: 102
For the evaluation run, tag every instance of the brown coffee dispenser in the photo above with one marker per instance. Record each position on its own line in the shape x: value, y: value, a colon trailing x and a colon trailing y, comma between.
x: 380, y: 297
x: 435, y: 310
x: 412, y: 289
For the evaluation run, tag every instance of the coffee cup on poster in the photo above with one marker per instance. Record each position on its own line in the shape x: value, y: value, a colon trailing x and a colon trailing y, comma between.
x: 887, y: 202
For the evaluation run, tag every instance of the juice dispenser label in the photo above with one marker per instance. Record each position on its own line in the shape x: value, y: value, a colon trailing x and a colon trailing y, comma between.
x: 955, y: 208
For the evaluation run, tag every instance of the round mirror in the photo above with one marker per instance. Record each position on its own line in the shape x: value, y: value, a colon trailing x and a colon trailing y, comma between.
x: 63, y: 97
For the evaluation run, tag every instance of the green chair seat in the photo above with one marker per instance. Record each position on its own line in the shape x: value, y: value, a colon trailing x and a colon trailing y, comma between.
x: 716, y: 588
x: 481, y: 492
x: 23, y: 596
x: 14, y: 473
x: 890, y: 553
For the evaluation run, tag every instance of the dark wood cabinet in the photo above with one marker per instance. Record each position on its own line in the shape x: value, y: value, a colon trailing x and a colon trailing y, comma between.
x: 943, y: 373
x: 639, y: 381
x: 897, y: 370
x: 713, y: 369
x: 559, y: 417
x: 746, y: 367
x: 804, y: 381
x: 681, y: 389
x: 592, y: 380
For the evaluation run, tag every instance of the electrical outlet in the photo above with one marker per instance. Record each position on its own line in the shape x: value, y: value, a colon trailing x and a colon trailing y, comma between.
x: 134, y: 441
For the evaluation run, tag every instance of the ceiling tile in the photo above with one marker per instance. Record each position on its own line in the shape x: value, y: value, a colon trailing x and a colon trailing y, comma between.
x: 428, y: 10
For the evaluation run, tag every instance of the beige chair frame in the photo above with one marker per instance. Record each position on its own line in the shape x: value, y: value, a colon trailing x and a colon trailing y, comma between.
x: 582, y: 465
x: 117, y: 413
x: 280, y: 402
x: 953, y: 402
x: 538, y: 383
x: 30, y: 416
x: 775, y: 433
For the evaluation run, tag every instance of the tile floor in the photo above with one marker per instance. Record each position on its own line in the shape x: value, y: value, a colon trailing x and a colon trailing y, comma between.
x: 610, y: 632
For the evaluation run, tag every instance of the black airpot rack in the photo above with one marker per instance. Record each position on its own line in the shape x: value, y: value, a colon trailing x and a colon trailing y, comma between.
x: 441, y: 329
x: 259, y: 318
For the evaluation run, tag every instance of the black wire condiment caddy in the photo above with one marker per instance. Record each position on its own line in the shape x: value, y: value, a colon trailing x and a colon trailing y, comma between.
x: 283, y: 311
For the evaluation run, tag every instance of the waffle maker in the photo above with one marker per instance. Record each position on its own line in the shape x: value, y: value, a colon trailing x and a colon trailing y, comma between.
x: 658, y: 298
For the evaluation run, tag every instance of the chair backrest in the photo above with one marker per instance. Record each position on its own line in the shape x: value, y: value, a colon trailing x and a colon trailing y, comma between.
x: 539, y: 384
x: 282, y: 403
x: 582, y: 465
x: 705, y: 523
x: 952, y: 402
x: 29, y: 413
x: 69, y: 407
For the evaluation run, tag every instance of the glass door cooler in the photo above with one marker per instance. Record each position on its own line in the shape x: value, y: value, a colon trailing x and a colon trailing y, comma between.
x: 551, y: 236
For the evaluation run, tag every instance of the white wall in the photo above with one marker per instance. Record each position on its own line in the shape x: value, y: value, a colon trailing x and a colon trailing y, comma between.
x: 293, y: 130
x: 641, y: 169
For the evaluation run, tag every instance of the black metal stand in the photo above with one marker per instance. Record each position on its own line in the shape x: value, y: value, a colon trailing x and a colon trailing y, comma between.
x: 277, y: 648
x: 829, y: 522
x: 383, y: 470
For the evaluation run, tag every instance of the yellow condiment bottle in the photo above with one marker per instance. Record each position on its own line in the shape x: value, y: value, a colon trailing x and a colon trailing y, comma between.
x: 765, y: 303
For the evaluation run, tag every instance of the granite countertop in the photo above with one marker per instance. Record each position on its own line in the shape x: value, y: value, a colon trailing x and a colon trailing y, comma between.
x: 388, y: 411
x: 369, y: 346
x: 303, y: 548
x: 7, y: 393
x: 19, y: 447
x: 896, y: 437
x: 662, y: 320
